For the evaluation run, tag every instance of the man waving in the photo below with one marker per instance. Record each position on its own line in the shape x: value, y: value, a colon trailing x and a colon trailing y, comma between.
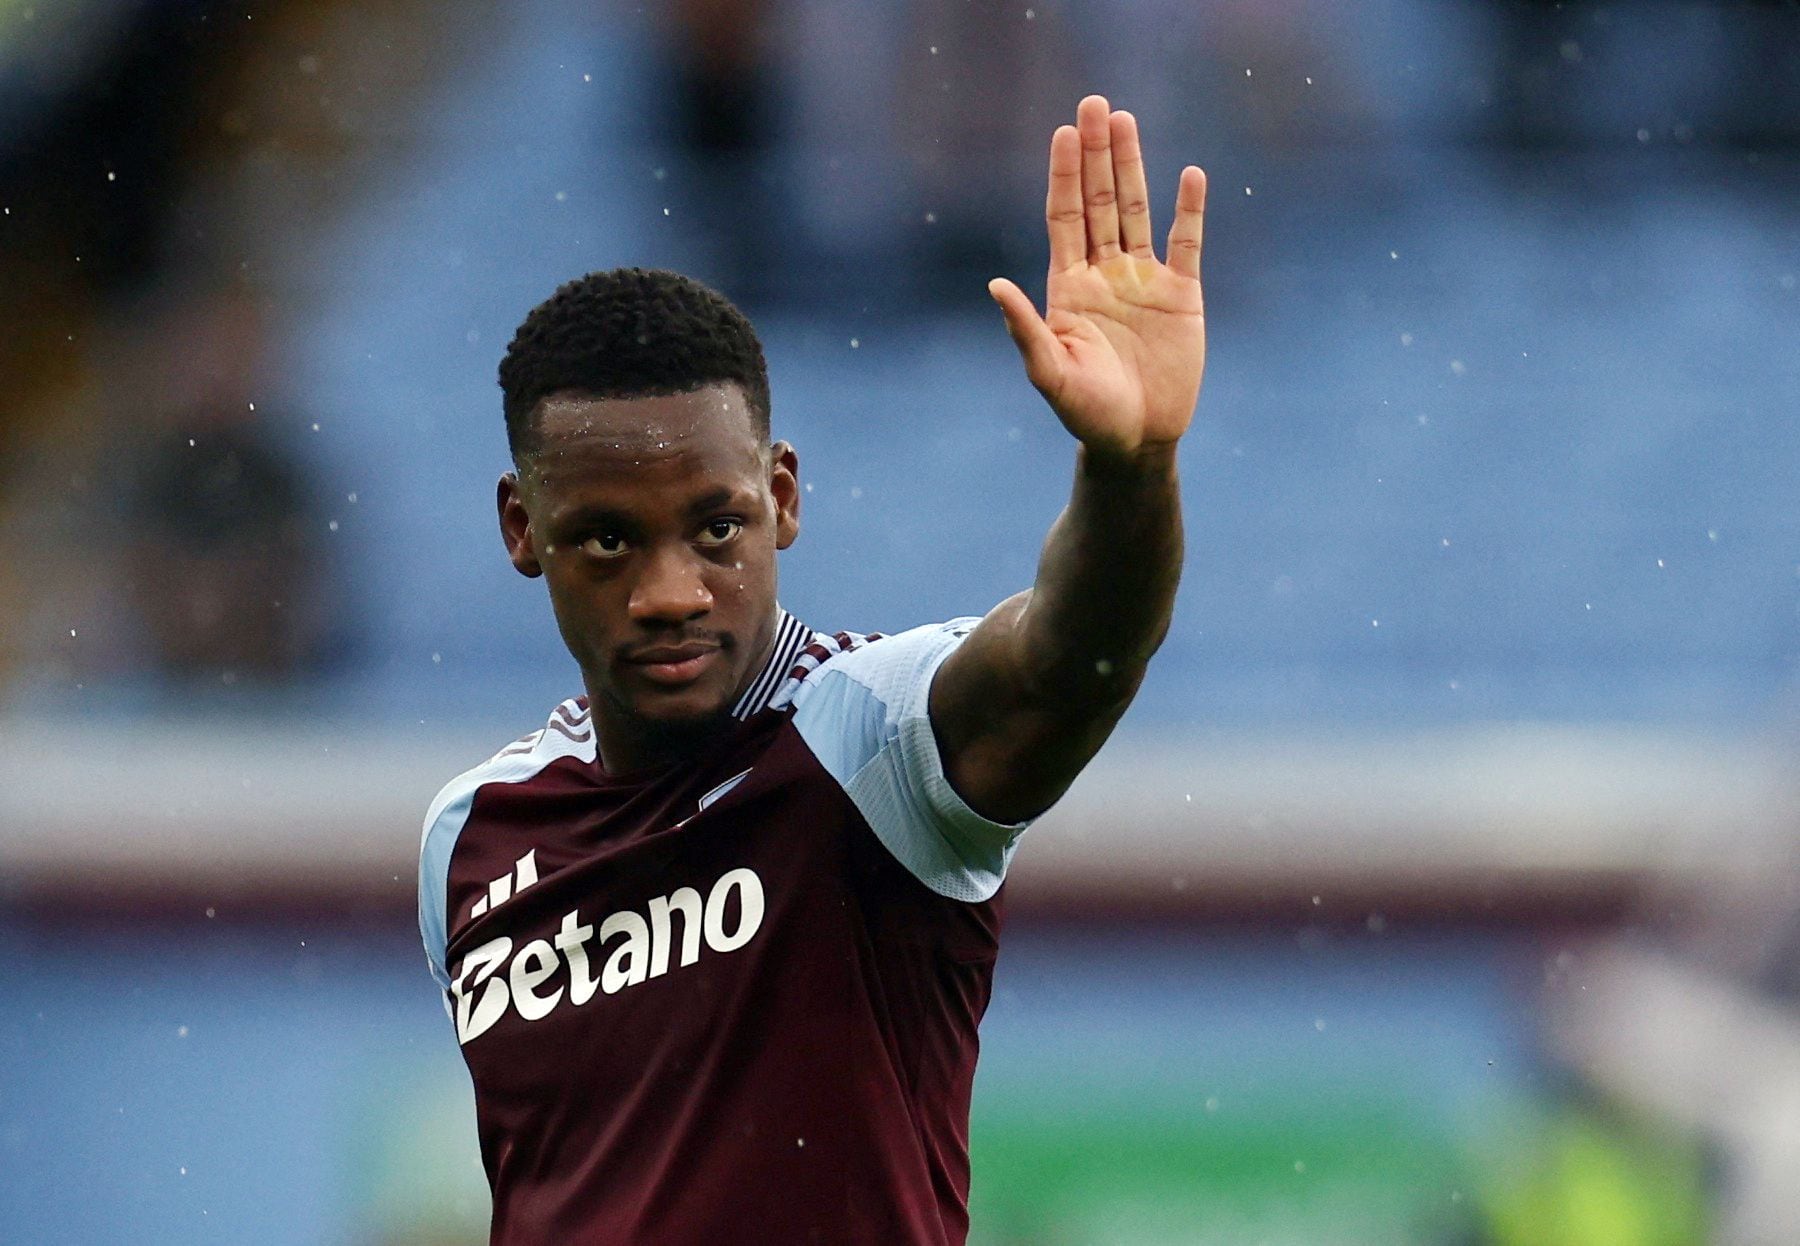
x: 716, y: 939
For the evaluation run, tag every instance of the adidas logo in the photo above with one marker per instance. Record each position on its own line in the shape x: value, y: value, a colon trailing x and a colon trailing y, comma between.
x: 522, y: 875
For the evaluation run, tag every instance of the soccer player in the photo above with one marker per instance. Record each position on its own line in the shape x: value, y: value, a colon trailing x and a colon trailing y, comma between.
x: 717, y: 937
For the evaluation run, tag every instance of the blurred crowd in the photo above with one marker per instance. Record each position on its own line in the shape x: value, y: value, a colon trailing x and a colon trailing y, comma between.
x: 166, y: 167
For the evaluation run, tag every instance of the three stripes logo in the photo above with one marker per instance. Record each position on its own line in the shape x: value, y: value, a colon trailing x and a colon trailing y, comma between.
x: 523, y: 873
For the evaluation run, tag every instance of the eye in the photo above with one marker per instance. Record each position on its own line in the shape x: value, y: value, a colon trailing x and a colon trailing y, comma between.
x: 606, y: 545
x: 719, y: 531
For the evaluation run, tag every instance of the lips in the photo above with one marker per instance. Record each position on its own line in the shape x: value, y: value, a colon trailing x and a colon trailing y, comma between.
x: 673, y: 664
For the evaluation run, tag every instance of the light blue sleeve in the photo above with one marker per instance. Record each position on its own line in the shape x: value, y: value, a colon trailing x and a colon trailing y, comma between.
x: 864, y: 715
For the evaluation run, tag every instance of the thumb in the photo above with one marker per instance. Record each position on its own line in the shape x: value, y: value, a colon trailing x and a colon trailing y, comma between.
x: 1042, y: 353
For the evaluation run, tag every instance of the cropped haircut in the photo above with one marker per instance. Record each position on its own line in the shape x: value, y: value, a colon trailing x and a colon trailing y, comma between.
x: 629, y: 333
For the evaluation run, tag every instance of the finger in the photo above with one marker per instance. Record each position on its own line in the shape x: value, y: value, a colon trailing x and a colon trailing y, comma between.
x: 1062, y: 210
x: 1097, y: 194
x: 1134, y: 191
x: 1190, y: 217
x: 1042, y: 353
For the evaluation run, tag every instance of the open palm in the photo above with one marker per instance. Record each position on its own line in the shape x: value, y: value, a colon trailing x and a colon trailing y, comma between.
x: 1120, y: 350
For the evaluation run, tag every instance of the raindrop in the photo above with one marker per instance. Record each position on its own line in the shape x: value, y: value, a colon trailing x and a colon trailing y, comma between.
x: 252, y: 406
x: 71, y: 631
x: 1659, y: 562
x: 211, y: 911
x: 1030, y: 14
x: 333, y: 525
x: 437, y: 658
x: 1643, y: 136
x: 1103, y: 667
x: 854, y: 343
x: 1309, y: 82
x: 1248, y: 191
x: 1393, y: 255
x: 1319, y: 1024
x: 351, y: 498
x: 1247, y: 73
x: 315, y: 428
x: 190, y: 441
x: 181, y: 1032
x: 931, y: 218
x: 112, y: 177
x: 799, y: 1141
x: 1317, y: 900
x: 1406, y: 339
x: 184, y: 1170
x: 665, y: 211
x: 562, y: 196
x: 934, y: 51
x: 587, y: 77
x: 1300, y: 1166
x: 659, y: 174
x: 1457, y: 367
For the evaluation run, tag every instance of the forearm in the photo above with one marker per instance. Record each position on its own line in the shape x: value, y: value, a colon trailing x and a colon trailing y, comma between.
x: 1106, y: 580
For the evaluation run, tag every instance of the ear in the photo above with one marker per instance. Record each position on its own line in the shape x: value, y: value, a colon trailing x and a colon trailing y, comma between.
x: 784, y: 484
x: 515, y: 527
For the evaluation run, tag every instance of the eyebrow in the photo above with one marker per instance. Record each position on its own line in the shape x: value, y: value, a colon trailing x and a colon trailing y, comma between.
x: 713, y: 500
x: 598, y: 514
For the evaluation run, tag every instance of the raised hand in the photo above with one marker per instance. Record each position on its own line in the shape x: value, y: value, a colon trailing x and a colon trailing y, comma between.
x: 1121, y: 347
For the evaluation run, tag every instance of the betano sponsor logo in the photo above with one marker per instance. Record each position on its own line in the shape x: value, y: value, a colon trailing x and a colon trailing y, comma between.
x: 642, y: 944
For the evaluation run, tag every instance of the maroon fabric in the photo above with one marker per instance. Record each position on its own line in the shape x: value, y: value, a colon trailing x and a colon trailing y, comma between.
x: 811, y: 1085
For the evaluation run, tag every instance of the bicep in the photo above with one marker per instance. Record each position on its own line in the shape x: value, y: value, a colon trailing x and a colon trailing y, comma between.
x: 1011, y: 745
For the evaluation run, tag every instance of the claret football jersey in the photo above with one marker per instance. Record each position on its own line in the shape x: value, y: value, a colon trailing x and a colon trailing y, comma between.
x: 734, y: 1001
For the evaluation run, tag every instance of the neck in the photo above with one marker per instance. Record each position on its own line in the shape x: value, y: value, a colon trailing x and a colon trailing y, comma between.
x: 629, y: 747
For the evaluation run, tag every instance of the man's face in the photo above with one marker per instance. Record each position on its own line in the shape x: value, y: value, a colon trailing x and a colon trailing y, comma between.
x: 655, y: 523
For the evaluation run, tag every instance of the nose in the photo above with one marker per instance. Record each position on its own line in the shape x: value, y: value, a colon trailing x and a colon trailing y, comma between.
x: 671, y: 588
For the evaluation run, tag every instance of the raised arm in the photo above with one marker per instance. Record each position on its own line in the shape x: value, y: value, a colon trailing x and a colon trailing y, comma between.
x: 1035, y: 690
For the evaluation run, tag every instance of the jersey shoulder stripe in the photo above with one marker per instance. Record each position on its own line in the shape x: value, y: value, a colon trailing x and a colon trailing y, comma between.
x: 791, y: 636
x: 818, y: 650
x: 568, y: 733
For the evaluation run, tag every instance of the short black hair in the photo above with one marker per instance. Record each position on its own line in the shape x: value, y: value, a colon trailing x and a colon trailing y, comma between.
x: 628, y: 333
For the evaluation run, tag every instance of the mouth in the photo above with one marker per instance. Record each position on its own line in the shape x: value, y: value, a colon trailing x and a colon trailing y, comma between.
x: 673, y: 665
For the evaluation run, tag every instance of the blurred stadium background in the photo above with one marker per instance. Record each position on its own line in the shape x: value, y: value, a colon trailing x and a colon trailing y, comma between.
x: 1441, y: 888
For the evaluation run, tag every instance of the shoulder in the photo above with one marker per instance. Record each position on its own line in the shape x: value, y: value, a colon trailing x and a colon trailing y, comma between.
x: 567, y: 733
x: 862, y: 706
